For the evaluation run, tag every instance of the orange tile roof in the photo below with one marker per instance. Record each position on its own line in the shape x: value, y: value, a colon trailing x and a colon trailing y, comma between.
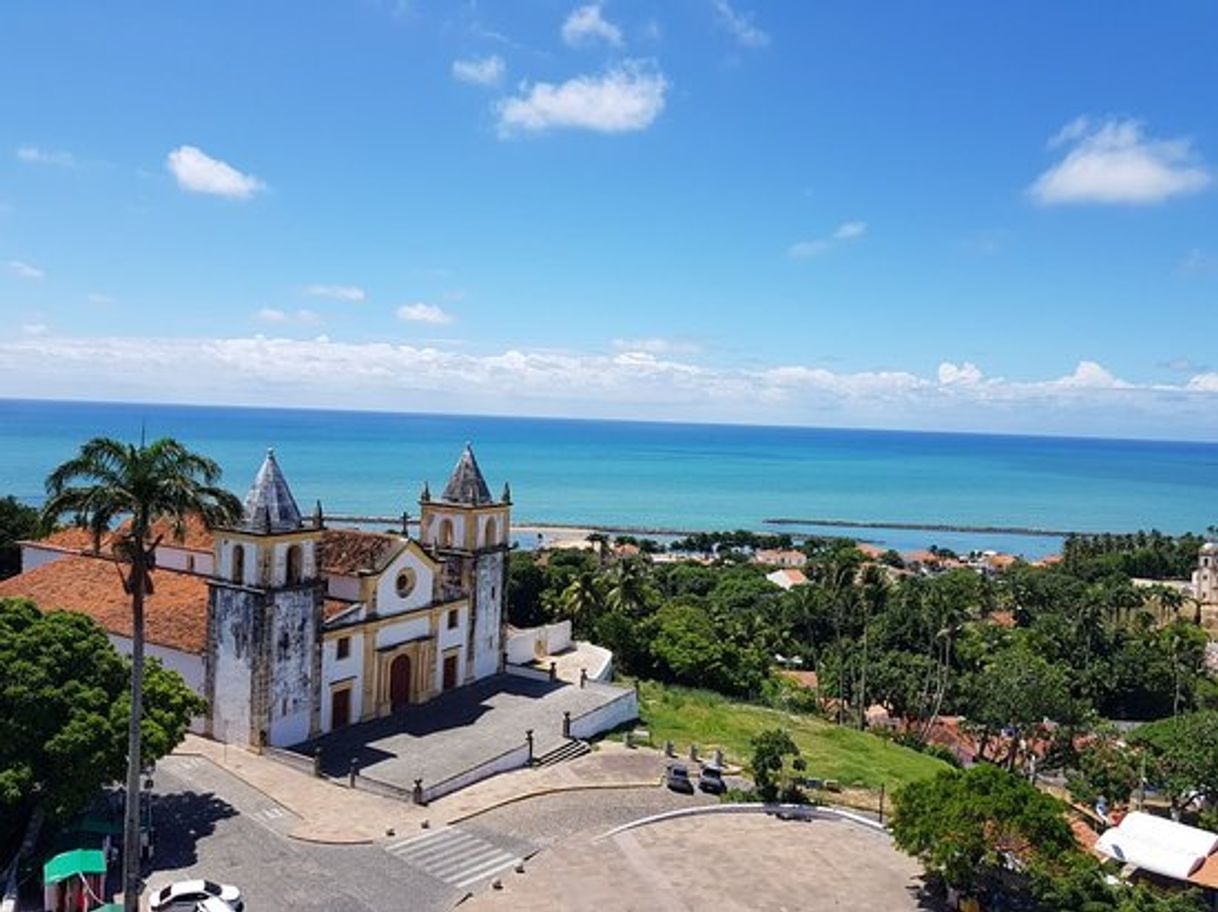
x: 806, y: 679
x: 195, y: 537
x: 1001, y: 561
x: 1207, y: 874
x: 870, y: 550
x: 175, y: 614
x: 333, y: 607
x: 346, y: 552
x: 71, y: 538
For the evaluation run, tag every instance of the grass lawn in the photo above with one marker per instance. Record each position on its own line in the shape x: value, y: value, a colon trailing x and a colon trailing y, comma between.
x: 854, y: 758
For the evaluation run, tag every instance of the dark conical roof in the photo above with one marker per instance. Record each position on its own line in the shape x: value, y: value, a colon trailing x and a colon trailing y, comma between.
x: 466, y: 484
x: 269, y: 505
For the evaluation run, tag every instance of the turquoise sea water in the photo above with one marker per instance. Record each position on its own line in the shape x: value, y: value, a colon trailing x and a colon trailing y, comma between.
x: 666, y: 475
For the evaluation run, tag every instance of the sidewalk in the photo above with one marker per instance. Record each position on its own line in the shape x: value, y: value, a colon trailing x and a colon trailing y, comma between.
x: 331, y: 812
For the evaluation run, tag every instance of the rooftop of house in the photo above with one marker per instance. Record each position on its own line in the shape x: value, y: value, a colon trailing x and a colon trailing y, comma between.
x: 194, y: 536
x: 779, y: 555
x: 175, y: 613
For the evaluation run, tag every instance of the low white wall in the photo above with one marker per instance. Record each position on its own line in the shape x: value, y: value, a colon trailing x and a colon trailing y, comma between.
x: 602, y: 667
x: 513, y: 759
x: 523, y: 671
x: 189, y: 666
x: 525, y: 645
x: 624, y: 709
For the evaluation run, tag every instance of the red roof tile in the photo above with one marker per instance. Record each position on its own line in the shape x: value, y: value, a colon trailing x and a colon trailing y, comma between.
x: 175, y: 614
x: 346, y: 552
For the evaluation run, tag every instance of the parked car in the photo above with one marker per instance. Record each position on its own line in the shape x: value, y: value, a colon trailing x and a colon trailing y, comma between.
x: 184, y: 892
x: 213, y: 904
x: 710, y: 780
x: 677, y: 779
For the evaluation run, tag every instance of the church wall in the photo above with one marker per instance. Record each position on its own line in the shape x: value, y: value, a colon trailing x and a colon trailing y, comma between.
x: 430, y: 531
x: 488, y: 626
x: 188, y: 665
x: 292, y: 644
x: 388, y: 601
x: 233, y: 638
x: 447, y: 638
x: 393, y: 634
x: 348, y: 669
x: 171, y: 558
x: 343, y: 587
x: 33, y: 556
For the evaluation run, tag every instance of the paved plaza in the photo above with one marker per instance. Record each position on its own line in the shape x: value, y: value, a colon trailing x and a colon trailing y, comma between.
x: 458, y: 730
x: 734, y: 862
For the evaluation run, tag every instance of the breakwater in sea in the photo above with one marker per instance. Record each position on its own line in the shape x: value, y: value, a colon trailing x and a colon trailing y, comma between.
x: 921, y: 527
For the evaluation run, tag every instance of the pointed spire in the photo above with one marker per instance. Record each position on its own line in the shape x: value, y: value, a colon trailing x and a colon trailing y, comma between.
x: 319, y: 517
x: 466, y: 484
x: 506, y: 497
x: 269, y: 505
x: 425, y: 494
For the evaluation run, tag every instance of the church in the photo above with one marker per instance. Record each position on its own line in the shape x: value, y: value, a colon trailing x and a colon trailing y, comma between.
x: 291, y: 629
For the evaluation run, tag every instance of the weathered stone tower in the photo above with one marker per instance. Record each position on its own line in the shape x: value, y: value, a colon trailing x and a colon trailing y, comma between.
x: 263, y: 664
x: 470, y: 532
x: 1205, y: 577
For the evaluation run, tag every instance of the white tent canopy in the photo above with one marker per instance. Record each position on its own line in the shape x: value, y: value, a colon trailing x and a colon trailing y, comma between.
x: 1158, y: 845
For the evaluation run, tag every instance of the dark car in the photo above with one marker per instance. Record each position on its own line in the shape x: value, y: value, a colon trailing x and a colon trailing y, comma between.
x: 677, y: 779
x: 711, y: 781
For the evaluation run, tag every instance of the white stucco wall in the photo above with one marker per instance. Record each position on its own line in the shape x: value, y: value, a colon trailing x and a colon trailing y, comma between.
x: 343, y: 587
x: 430, y: 531
x: 171, y: 558
x: 447, y: 639
x: 32, y: 557
x: 388, y: 601
x: 393, y: 634
x: 293, y: 639
x: 234, y: 641
x: 188, y: 665
x: 334, y: 669
x: 488, y: 626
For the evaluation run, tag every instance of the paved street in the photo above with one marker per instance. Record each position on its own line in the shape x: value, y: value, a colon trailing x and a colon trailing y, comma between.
x: 211, y: 824
x: 458, y: 857
x: 458, y: 730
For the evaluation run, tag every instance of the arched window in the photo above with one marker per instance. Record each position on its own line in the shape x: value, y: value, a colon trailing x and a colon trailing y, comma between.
x: 238, y: 563
x: 490, y: 533
x: 446, y: 533
x: 295, y: 558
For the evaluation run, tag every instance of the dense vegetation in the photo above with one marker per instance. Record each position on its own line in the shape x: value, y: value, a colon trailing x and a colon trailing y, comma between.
x: 64, y: 705
x: 17, y: 522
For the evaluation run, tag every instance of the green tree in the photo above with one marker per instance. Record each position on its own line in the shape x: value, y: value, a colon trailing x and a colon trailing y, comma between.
x: 17, y: 522
x: 771, y: 748
x: 967, y: 826
x: 525, y: 587
x: 64, y: 705
x: 1182, y: 756
x: 581, y: 601
x: 1108, y: 767
x: 162, y: 481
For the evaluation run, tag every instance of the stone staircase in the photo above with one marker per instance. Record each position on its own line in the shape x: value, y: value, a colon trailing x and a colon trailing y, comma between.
x: 568, y: 750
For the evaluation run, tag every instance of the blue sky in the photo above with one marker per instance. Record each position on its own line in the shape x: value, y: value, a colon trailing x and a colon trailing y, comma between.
x: 947, y: 215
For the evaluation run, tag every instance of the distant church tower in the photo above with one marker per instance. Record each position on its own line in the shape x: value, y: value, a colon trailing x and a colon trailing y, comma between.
x: 1205, y: 578
x: 263, y: 668
x: 470, y: 532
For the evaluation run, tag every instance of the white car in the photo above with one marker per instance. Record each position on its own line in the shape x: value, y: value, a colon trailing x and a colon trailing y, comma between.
x: 184, y: 893
x: 213, y: 904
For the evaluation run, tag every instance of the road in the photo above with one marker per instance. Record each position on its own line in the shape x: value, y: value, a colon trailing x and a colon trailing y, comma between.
x: 210, y: 824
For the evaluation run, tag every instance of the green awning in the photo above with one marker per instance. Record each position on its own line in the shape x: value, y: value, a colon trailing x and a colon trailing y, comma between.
x: 110, y: 907
x: 69, y: 864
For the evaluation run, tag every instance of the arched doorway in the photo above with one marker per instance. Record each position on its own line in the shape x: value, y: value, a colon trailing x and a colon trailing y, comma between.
x: 399, y: 682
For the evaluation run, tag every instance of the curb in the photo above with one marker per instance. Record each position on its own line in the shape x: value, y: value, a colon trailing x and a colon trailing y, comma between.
x: 261, y: 791
x: 318, y: 840
x: 554, y: 790
x: 784, y: 811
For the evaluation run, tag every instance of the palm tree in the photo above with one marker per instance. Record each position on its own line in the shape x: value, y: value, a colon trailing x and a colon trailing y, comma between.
x: 581, y: 601
x: 628, y: 589
x: 159, y: 483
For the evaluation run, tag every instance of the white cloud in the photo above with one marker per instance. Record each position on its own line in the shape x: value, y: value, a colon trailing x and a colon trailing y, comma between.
x: 198, y: 172
x: 483, y: 71
x: 586, y: 25
x: 846, y: 231
x: 24, y: 270
x: 628, y: 96
x: 33, y: 155
x: 740, y: 25
x: 275, y: 315
x: 657, y: 345
x: 1115, y: 162
x: 319, y: 372
x: 336, y: 292
x: 34, y: 329
x: 420, y: 312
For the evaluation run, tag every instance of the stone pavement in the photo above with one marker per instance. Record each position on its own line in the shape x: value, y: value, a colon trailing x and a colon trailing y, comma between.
x: 737, y: 862
x: 330, y: 812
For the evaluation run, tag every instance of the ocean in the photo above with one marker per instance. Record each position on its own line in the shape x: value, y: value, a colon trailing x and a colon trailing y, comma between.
x: 660, y: 475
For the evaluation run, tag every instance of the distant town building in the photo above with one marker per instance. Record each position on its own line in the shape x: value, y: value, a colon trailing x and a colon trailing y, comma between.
x: 780, y: 557
x: 787, y: 578
x: 291, y: 629
x: 1205, y: 577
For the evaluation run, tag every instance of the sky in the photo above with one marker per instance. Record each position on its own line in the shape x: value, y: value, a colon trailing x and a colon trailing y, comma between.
x: 957, y: 216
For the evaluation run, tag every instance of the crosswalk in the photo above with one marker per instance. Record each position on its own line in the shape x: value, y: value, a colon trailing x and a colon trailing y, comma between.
x: 270, y: 813
x: 454, y: 856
